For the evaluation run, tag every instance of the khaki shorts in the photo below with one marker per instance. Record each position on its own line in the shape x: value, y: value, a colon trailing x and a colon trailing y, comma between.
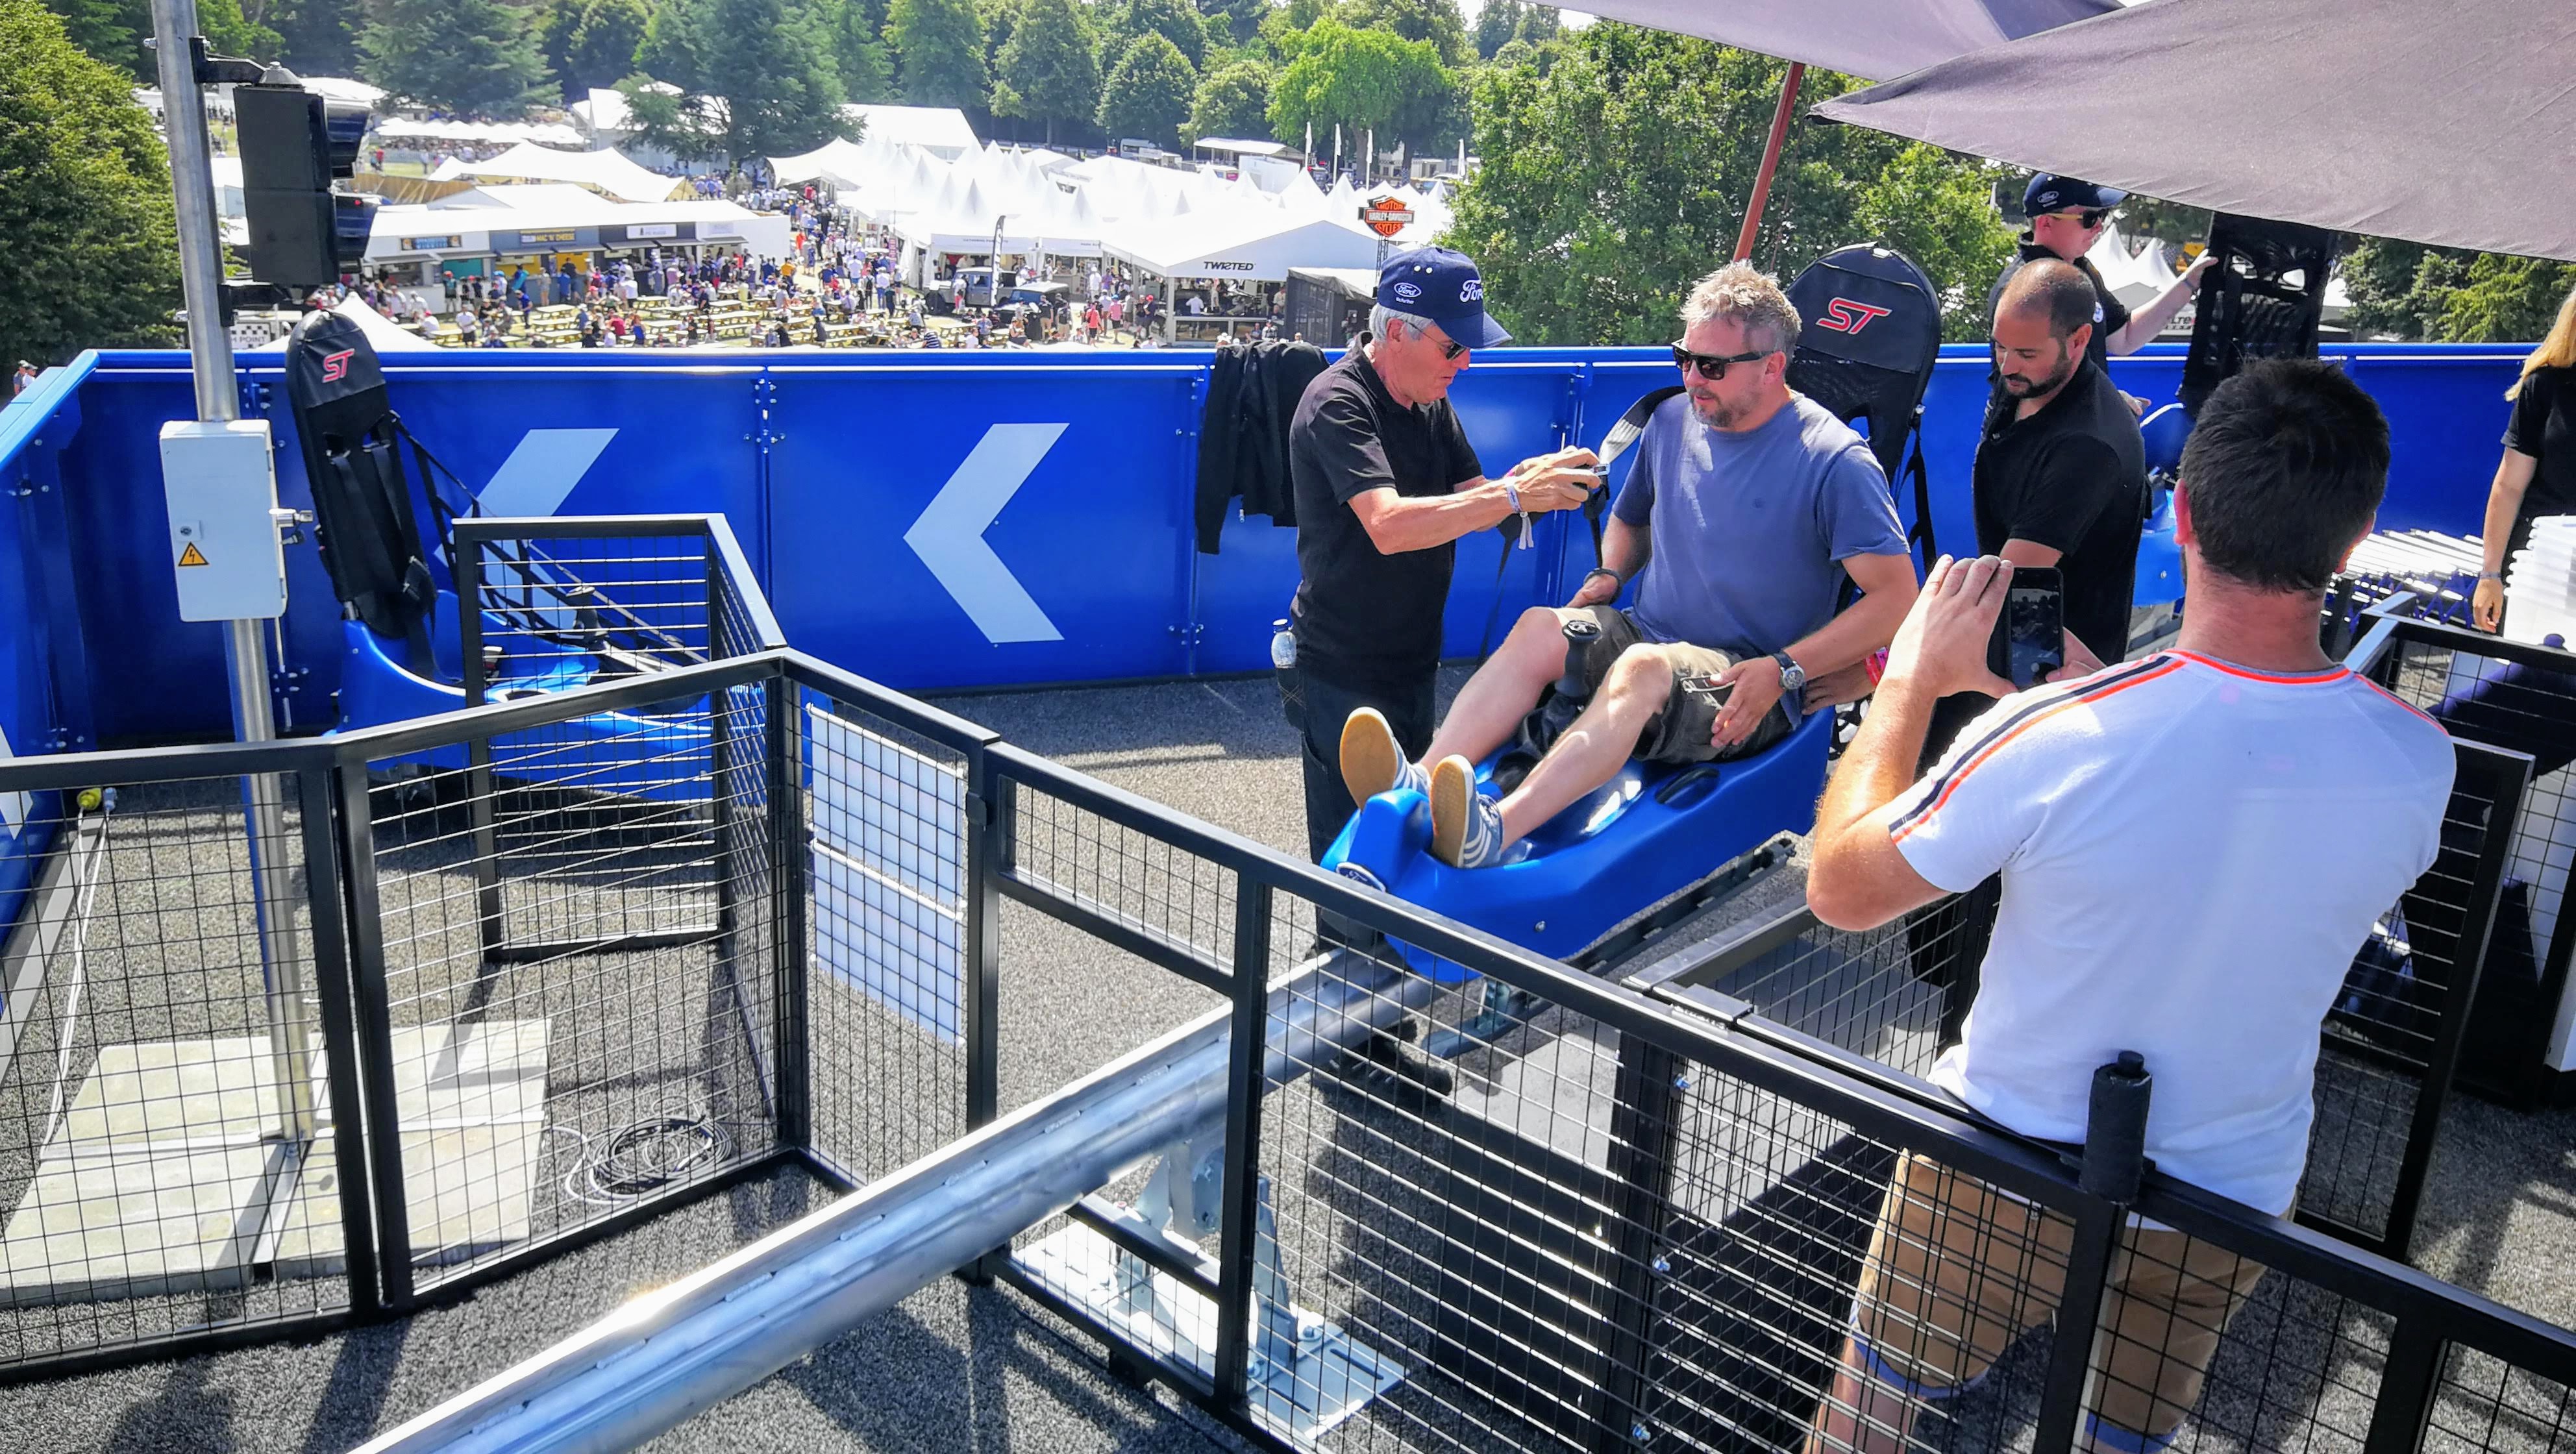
x: 1958, y: 1271
x: 1680, y: 732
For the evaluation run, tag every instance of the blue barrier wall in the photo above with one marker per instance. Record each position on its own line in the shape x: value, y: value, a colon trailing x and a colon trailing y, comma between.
x: 1058, y: 550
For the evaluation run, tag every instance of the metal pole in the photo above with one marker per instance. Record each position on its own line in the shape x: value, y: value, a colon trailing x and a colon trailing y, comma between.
x: 1770, y: 160
x: 676, y: 1352
x: 210, y: 351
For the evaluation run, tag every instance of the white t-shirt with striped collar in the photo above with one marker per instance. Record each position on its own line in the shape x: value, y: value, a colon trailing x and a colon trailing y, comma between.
x: 2191, y: 854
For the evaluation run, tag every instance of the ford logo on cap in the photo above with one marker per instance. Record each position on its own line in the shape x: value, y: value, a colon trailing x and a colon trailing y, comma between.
x: 1407, y: 291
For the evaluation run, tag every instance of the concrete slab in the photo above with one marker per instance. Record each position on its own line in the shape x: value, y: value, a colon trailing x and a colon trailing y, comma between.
x: 170, y: 1093
x: 137, y: 1222
x: 466, y: 1189
x: 163, y: 1175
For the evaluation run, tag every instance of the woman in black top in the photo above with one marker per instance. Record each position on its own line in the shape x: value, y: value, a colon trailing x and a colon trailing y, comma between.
x: 2538, y: 474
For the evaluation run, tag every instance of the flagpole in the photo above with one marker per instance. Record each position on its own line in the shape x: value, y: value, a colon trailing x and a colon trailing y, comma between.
x: 1770, y: 159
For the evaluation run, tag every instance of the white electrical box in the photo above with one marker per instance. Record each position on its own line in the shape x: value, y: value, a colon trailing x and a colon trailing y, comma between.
x: 220, y: 481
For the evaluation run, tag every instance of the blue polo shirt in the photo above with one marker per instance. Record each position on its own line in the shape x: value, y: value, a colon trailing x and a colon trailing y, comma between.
x: 1750, y: 529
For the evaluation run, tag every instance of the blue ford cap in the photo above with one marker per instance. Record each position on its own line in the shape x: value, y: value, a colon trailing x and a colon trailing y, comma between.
x: 1443, y: 286
x: 2049, y: 192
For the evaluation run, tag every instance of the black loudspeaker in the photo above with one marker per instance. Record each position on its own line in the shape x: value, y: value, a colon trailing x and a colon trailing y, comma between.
x: 2263, y: 299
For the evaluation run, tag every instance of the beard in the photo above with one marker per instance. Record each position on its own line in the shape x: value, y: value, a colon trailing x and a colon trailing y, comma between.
x: 1716, y: 412
x: 2023, y: 386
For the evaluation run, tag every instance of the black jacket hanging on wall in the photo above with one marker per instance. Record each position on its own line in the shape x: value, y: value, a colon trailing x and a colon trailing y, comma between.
x: 1243, y: 435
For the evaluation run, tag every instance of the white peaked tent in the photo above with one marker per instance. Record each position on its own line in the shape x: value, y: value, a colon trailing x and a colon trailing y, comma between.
x: 1243, y: 246
x: 941, y: 130
x: 606, y: 171
x: 839, y: 159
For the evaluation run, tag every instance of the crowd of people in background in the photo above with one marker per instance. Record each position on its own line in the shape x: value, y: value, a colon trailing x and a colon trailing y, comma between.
x: 840, y: 274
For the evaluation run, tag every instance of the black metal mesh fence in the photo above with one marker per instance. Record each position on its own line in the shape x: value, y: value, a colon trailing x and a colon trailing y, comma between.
x: 577, y: 986
x: 886, y: 934
x: 2484, y: 1405
x: 2523, y: 700
x: 556, y: 610
x: 166, y: 1150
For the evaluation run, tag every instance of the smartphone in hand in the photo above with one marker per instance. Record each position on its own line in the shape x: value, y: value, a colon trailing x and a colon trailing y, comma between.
x: 2030, y: 636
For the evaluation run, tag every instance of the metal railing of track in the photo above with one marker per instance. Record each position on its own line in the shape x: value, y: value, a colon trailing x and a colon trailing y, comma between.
x: 582, y: 955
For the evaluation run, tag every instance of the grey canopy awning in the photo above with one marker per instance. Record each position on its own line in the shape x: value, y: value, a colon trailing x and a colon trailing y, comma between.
x: 2451, y: 122
x: 1873, y: 39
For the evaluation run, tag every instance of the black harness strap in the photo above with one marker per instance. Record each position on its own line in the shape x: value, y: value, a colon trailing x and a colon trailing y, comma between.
x: 1626, y: 432
x: 1922, y: 531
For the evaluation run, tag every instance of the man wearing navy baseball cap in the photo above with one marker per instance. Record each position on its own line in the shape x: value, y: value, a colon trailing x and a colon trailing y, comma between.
x: 1386, y: 483
x: 2066, y: 218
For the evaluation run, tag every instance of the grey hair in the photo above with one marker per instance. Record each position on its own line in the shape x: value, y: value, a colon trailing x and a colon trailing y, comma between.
x: 1381, y: 315
x: 1745, y: 294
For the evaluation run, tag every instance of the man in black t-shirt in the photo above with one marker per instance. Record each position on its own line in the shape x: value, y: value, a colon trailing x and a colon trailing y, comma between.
x: 1385, y: 483
x: 2066, y: 218
x: 2060, y: 473
x: 2060, y: 480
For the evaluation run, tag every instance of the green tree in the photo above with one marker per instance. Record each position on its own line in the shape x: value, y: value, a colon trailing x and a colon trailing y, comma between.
x: 602, y: 46
x: 474, y: 56
x: 1435, y: 21
x: 939, y: 52
x: 1539, y: 24
x: 771, y: 65
x: 1174, y: 20
x: 1048, y: 71
x: 2505, y: 300
x: 315, y: 37
x: 1497, y: 25
x: 674, y: 48
x: 108, y: 31
x: 1285, y: 27
x: 1233, y: 100
x: 1000, y: 17
x: 1148, y: 95
x: 553, y: 22
x: 684, y: 126
x: 1619, y: 176
x: 1362, y: 79
x: 856, y: 30
x: 113, y: 32
x: 2409, y: 291
x: 93, y: 259
x: 1242, y: 17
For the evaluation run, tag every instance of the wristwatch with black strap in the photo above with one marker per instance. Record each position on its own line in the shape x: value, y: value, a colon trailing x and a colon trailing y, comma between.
x: 1793, y: 685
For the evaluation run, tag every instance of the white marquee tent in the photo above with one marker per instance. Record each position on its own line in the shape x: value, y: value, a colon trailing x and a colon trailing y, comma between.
x: 941, y: 130
x: 412, y: 128
x: 606, y: 171
x: 1243, y: 246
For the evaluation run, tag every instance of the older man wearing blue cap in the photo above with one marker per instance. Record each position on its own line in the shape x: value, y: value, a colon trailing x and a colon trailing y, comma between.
x: 1385, y: 483
x: 2066, y: 218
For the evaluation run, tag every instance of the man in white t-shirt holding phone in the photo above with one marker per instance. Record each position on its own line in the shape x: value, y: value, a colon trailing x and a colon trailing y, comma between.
x: 2277, y: 803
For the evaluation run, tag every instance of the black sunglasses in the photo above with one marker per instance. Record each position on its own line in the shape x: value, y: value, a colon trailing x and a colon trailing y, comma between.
x: 1712, y: 366
x: 1450, y: 348
x: 2092, y: 217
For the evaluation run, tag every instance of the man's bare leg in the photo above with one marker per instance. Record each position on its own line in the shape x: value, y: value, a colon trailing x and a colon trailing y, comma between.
x: 1595, y: 747
x: 1490, y: 707
x: 1861, y: 1415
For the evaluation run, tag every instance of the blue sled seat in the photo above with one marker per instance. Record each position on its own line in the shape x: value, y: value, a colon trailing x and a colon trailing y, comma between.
x: 1647, y: 834
x: 660, y: 752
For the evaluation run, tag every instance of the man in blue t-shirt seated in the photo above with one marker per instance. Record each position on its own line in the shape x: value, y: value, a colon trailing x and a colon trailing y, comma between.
x: 1748, y: 508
